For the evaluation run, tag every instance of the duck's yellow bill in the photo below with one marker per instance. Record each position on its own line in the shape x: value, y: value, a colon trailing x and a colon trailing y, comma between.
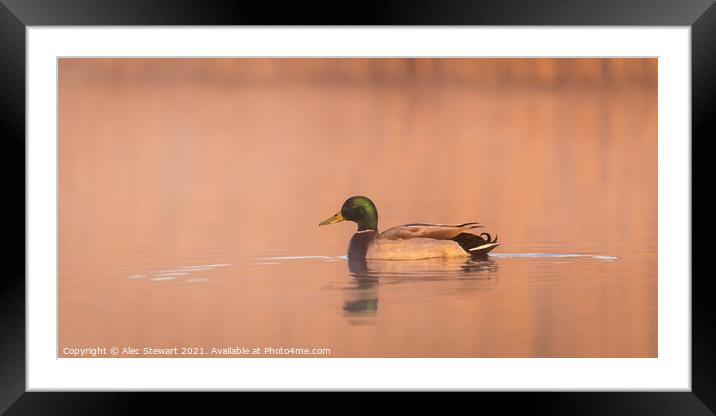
x: 334, y: 219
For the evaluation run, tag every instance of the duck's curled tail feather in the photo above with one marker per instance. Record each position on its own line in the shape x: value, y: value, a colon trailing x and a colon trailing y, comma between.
x: 476, y: 245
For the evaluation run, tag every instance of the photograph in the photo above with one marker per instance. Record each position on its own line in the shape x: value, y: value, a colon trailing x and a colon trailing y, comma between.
x: 357, y: 207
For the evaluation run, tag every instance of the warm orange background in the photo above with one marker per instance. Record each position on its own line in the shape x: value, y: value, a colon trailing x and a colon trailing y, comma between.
x: 165, y: 159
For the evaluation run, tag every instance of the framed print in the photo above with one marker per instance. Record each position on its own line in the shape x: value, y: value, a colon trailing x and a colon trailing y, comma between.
x: 492, y: 199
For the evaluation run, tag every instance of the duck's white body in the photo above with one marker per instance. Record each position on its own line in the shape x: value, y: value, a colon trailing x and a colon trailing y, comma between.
x: 413, y: 249
x: 414, y: 242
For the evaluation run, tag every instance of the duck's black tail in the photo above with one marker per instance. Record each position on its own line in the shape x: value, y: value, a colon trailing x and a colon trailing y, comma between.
x: 476, y: 245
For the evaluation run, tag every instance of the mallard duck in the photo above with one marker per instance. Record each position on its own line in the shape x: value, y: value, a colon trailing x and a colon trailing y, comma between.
x: 409, y: 241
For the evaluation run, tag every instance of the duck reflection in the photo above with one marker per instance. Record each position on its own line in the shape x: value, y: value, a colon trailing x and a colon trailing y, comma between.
x: 361, y: 296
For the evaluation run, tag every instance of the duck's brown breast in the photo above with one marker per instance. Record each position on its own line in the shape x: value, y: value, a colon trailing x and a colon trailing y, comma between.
x: 360, y: 242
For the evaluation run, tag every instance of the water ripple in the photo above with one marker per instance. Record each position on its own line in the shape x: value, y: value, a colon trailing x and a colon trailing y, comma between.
x: 551, y: 255
x: 181, y: 272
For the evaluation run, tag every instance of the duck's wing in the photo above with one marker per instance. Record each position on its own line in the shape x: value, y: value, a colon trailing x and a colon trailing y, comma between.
x: 435, y: 231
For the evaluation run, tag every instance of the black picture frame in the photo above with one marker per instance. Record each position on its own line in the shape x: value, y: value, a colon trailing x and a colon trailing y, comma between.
x: 16, y: 15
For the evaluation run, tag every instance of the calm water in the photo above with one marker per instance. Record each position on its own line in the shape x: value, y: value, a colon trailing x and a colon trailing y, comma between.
x: 530, y: 304
x: 189, y: 211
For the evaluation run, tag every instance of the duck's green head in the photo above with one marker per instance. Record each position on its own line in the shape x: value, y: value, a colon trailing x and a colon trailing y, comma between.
x: 358, y: 209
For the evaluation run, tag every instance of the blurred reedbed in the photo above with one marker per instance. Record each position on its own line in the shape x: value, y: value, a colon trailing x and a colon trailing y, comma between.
x: 515, y: 72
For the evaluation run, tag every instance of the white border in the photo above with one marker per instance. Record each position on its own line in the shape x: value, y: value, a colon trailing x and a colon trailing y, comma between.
x: 670, y: 371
